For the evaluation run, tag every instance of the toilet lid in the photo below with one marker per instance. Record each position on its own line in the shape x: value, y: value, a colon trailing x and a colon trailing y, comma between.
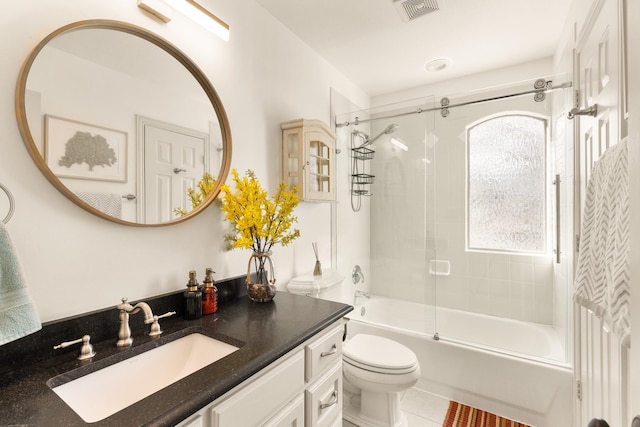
x: 379, y: 352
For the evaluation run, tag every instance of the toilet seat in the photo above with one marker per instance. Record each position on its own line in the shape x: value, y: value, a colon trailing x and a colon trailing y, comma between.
x: 378, y: 354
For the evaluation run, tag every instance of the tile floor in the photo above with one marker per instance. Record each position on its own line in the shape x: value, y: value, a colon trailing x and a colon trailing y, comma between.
x: 423, y: 409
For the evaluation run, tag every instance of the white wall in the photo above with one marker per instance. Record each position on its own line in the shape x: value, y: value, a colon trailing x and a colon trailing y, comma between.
x: 76, y: 262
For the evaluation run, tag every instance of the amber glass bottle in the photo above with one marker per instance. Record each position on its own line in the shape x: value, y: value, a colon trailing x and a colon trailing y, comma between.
x: 209, y: 293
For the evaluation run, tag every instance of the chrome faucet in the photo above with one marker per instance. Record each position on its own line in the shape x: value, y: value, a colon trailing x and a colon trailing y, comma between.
x: 124, y: 334
x: 362, y: 294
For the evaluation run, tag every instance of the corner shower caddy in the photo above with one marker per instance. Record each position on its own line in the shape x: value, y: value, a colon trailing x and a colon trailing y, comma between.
x: 361, y: 177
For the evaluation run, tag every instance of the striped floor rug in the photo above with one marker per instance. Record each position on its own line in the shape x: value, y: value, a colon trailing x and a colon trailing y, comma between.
x: 460, y: 415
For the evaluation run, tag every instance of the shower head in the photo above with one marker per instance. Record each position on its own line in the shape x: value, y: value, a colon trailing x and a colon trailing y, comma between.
x: 391, y: 128
x: 368, y: 141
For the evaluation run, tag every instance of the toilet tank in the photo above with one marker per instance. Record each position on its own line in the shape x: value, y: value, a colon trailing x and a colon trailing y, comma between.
x: 323, y: 287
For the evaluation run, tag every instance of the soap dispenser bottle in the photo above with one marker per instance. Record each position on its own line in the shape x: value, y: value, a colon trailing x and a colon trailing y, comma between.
x: 209, y: 293
x: 192, y: 298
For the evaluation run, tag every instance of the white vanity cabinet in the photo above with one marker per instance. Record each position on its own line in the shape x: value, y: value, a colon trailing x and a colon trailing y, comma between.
x: 323, y: 376
x: 303, y: 388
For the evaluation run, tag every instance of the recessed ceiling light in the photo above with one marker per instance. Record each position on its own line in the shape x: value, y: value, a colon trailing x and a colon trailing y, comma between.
x: 438, y: 64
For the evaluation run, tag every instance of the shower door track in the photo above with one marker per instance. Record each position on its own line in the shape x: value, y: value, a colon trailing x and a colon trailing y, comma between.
x: 541, y: 87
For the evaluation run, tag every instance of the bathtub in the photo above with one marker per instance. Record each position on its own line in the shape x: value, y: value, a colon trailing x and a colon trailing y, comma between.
x: 512, y: 368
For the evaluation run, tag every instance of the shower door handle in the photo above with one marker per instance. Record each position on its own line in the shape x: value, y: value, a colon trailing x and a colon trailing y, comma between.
x: 556, y: 182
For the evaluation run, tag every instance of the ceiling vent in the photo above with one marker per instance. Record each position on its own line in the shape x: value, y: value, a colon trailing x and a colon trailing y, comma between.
x: 412, y: 9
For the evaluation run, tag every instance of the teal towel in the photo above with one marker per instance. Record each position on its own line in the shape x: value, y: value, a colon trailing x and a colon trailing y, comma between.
x: 18, y: 314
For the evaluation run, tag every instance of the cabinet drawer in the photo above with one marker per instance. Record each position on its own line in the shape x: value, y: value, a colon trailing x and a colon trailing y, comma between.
x: 323, y: 400
x: 323, y: 352
x: 258, y: 400
x: 291, y: 415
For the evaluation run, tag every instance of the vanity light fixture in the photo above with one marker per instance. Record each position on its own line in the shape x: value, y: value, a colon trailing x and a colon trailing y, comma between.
x: 157, y: 8
x: 202, y: 16
x: 398, y: 143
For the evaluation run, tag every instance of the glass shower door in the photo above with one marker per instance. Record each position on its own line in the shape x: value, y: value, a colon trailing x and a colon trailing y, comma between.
x: 396, y: 211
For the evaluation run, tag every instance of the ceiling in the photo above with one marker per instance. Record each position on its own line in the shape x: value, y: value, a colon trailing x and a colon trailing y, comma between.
x: 371, y: 45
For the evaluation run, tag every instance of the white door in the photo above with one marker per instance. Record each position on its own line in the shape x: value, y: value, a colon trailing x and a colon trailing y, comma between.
x: 174, y: 161
x: 600, y: 361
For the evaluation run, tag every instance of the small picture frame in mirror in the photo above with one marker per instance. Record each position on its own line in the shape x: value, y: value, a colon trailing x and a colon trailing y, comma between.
x: 84, y: 151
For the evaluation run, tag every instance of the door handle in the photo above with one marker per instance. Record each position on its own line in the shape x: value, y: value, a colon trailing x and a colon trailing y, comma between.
x: 178, y: 170
x: 591, y: 111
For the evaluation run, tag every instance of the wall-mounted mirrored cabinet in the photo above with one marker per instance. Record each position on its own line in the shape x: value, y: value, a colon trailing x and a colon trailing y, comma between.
x: 122, y: 122
x: 309, y: 150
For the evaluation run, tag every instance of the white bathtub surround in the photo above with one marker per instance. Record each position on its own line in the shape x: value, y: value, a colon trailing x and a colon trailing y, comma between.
x: 523, y: 339
x: 534, y: 389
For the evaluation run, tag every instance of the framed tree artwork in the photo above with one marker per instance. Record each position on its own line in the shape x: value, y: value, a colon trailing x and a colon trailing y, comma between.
x: 80, y: 150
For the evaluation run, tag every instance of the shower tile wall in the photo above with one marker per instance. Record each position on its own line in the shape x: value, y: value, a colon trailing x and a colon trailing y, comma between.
x: 518, y: 287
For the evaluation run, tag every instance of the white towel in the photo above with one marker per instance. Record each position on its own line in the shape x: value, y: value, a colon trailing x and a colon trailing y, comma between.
x: 109, y: 203
x: 18, y: 314
x: 602, y: 277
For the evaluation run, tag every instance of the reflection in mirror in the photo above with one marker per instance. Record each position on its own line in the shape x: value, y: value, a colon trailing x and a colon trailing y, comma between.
x: 122, y: 122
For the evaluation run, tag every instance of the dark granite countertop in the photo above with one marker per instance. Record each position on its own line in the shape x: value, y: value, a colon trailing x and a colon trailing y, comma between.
x: 263, y: 331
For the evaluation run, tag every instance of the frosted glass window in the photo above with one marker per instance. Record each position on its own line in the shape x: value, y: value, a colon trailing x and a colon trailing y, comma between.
x: 506, y: 209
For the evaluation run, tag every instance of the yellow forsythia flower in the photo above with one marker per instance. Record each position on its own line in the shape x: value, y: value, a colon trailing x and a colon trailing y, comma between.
x: 258, y: 221
x: 205, y: 185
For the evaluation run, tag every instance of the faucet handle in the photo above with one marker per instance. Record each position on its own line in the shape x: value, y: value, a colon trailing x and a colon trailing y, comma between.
x: 357, y: 275
x: 122, y: 305
x: 155, y: 327
x: 86, y: 351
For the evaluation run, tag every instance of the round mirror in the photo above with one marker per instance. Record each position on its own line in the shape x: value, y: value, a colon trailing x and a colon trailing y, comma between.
x: 123, y: 123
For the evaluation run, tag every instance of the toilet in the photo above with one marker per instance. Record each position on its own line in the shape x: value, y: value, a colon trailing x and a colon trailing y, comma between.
x: 376, y: 370
x: 376, y: 373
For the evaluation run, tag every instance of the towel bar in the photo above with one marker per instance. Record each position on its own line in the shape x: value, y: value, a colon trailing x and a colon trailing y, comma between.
x: 12, y: 204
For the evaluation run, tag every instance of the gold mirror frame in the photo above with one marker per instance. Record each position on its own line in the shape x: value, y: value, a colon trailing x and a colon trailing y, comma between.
x: 192, y: 68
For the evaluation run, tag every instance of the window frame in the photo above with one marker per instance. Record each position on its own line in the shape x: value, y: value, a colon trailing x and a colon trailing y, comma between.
x: 546, y: 247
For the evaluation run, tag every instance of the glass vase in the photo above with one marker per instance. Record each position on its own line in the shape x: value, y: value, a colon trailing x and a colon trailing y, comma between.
x: 261, y: 279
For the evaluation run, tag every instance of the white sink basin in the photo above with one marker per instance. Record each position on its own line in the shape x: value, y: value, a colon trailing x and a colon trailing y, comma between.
x: 102, y: 393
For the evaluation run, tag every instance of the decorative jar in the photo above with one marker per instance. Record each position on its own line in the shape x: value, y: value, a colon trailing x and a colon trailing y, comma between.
x: 261, y: 279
